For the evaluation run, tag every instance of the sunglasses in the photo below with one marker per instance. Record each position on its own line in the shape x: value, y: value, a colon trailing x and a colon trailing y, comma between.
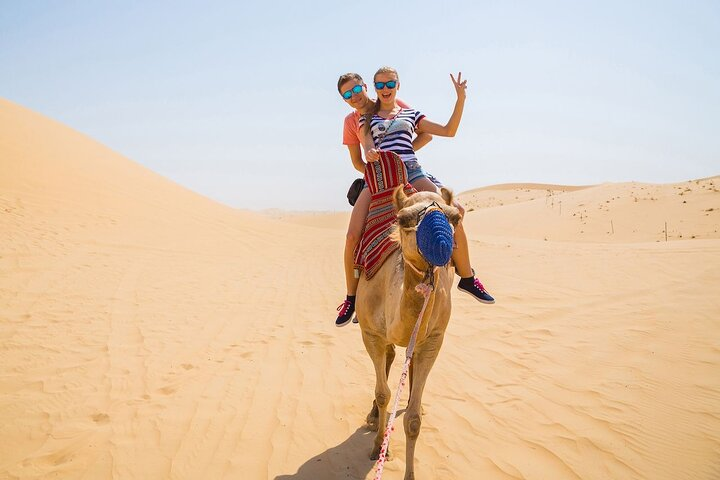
x: 380, y: 85
x: 356, y: 89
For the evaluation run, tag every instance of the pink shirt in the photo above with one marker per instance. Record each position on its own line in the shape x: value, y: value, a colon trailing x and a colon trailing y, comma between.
x: 351, y: 126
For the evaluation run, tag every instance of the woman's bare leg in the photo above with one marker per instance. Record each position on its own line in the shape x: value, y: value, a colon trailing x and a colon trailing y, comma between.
x: 461, y: 254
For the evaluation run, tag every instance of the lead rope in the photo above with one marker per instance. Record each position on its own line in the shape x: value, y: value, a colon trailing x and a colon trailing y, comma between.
x: 425, y: 288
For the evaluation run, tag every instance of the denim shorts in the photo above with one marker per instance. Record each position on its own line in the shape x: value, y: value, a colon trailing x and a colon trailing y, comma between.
x: 415, y: 172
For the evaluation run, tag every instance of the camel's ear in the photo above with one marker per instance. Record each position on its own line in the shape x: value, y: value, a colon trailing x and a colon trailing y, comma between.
x: 399, y: 198
x: 447, y: 195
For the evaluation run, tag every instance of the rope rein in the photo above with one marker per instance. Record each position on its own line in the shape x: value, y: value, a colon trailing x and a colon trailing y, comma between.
x: 425, y: 288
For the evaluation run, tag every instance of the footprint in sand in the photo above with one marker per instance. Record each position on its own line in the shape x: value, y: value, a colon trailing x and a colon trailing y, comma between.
x: 100, y: 418
x: 168, y: 390
x: 187, y: 366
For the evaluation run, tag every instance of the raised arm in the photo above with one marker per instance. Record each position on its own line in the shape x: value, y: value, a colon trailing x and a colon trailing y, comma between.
x: 451, y: 127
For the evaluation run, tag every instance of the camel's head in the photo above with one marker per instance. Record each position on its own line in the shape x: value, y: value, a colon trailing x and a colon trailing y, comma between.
x: 425, y: 227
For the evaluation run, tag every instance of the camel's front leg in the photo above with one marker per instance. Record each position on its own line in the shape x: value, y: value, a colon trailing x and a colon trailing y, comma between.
x: 372, y: 417
x: 376, y: 347
x: 423, y: 360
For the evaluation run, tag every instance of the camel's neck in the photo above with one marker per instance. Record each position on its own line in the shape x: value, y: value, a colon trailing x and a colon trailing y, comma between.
x: 410, y: 305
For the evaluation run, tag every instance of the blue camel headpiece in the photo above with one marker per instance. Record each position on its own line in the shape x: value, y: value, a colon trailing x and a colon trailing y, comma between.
x: 435, y: 238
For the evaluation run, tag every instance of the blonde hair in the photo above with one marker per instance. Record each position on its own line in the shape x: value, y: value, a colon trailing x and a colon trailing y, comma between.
x: 376, y: 107
x: 387, y: 70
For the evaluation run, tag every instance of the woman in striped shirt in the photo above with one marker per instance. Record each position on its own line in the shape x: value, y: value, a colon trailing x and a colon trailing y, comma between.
x: 387, y: 126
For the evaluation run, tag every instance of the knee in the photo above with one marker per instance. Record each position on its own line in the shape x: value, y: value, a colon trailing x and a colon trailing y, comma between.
x: 352, y: 237
x: 412, y: 425
x: 382, y: 399
x: 459, y: 206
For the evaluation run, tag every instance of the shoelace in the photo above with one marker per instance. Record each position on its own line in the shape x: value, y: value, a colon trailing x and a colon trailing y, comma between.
x: 343, y: 308
x: 478, y: 285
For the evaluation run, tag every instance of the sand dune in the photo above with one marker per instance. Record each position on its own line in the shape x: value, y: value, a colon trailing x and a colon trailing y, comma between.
x: 148, y: 332
x: 508, y: 193
x: 609, y: 213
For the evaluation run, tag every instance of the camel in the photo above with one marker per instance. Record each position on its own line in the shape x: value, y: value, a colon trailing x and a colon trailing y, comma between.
x: 388, y: 307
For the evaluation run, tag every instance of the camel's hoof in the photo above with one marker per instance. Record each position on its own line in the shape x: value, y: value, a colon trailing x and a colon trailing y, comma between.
x: 376, y: 454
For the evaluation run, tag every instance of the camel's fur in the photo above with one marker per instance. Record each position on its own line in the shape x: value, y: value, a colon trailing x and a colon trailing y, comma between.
x: 387, y: 308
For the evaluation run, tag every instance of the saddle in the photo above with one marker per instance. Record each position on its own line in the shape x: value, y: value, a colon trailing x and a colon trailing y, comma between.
x: 375, y: 246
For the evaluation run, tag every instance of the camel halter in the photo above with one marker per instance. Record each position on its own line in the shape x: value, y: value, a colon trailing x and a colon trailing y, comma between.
x: 425, y: 288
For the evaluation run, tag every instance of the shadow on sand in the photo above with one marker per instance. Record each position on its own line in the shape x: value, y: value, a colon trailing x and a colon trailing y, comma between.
x: 350, y: 459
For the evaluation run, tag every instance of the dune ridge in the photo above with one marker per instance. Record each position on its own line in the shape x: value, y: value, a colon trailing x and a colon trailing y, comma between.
x: 149, y: 332
x: 630, y: 212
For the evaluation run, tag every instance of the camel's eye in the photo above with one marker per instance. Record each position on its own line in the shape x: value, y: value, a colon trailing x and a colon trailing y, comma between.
x: 452, y: 215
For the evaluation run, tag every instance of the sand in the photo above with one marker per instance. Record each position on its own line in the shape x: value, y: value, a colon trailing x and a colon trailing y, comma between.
x: 149, y: 332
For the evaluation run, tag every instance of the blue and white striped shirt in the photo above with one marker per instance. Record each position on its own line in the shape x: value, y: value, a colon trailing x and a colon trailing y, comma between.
x: 398, y: 132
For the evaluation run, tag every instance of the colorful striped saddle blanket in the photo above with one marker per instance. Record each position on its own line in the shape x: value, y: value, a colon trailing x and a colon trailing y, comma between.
x: 375, y: 246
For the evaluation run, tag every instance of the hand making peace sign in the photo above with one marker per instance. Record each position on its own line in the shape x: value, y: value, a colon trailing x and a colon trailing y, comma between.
x: 460, y: 85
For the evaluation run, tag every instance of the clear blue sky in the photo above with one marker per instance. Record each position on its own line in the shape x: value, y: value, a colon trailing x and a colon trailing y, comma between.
x: 238, y: 100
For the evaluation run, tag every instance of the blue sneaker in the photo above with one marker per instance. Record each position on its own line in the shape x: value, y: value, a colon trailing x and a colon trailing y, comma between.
x: 475, y: 289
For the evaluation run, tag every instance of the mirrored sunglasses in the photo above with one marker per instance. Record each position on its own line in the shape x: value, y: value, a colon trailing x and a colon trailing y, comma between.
x: 380, y: 85
x: 354, y: 90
